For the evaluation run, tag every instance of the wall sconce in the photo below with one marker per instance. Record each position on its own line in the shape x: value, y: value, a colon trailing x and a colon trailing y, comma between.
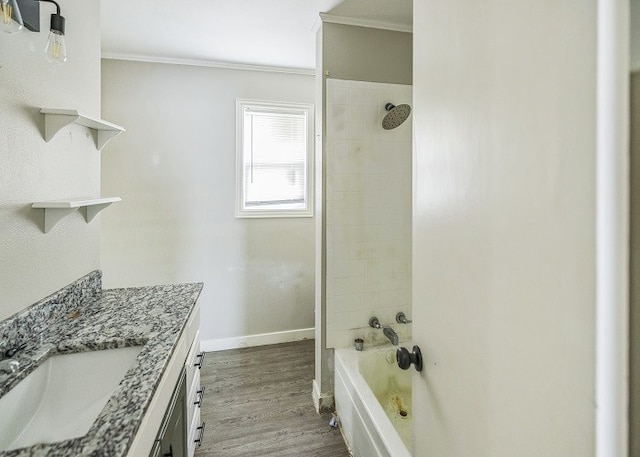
x: 56, y: 49
x: 14, y: 14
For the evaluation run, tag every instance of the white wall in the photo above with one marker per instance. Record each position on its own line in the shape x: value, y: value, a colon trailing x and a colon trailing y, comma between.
x: 505, y: 228
x: 368, y: 211
x: 35, y: 264
x: 366, y: 54
x: 175, y: 170
x: 634, y: 270
x: 634, y: 40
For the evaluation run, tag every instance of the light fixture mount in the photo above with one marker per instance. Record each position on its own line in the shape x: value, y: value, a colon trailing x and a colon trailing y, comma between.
x: 57, y: 21
x: 30, y: 10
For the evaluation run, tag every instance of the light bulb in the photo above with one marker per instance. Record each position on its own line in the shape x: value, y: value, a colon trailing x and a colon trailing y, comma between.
x: 10, y: 17
x: 56, y: 50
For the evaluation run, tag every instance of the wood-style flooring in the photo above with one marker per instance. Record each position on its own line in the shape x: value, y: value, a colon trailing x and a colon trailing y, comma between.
x: 258, y: 404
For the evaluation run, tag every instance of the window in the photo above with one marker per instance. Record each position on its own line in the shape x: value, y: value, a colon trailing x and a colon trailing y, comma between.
x: 274, y: 159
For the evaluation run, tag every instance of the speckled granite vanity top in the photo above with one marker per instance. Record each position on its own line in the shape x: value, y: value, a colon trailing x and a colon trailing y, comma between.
x: 83, y: 317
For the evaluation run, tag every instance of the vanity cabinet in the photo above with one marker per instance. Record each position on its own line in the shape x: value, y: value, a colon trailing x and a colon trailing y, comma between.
x: 172, y: 437
x: 182, y: 431
x: 173, y: 418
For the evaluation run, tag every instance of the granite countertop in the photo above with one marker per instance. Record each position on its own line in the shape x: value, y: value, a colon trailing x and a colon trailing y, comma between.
x: 95, y: 319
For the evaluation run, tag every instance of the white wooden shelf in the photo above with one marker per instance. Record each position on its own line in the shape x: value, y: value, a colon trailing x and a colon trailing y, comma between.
x: 56, y: 119
x: 56, y: 210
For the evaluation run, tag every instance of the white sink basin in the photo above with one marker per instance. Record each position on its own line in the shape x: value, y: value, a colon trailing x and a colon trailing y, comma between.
x: 62, y: 398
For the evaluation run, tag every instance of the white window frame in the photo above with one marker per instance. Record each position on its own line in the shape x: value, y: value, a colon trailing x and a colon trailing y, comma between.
x: 241, y: 211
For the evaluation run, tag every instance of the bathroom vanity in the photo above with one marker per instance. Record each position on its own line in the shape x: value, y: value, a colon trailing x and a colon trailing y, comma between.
x: 152, y: 410
x: 172, y: 424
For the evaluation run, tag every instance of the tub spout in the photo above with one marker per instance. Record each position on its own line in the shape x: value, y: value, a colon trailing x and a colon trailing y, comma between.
x: 391, y: 334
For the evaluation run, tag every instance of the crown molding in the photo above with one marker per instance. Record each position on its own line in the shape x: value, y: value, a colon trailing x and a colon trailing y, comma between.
x: 208, y: 63
x: 358, y: 22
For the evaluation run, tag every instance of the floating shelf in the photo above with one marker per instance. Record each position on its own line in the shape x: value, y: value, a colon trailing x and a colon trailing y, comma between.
x: 56, y: 210
x: 56, y: 119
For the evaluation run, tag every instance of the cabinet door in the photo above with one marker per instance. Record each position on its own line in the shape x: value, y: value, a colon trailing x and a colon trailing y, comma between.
x: 174, y: 442
x: 173, y: 432
x: 194, y: 360
x: 196, y: 431
x: 156, y: 451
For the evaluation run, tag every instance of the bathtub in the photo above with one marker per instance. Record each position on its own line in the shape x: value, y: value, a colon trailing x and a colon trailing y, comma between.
x: 373, y: 402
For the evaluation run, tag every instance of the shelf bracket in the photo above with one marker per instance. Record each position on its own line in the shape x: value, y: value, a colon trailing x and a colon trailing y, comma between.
x: 93, y: 210
x: 53, y: 123
x: 104, y: 136
x: 54, y: 215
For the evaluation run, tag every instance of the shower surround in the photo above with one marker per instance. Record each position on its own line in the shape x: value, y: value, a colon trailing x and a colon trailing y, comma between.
x: 368, y: 211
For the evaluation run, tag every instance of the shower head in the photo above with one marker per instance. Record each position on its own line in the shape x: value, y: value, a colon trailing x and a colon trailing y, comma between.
x: 396, y: 115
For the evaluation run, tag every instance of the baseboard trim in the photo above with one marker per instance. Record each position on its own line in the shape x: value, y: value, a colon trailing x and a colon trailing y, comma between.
x: 260, y: 339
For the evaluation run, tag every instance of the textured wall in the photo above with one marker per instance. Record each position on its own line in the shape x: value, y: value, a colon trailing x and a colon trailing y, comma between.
x: 368, y: 210
x: 175, y: 170
x: 35, y: 264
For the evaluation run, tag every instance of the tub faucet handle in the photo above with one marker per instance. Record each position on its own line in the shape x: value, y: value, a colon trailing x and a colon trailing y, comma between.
x: 374, y: 322
x: 401, y: 318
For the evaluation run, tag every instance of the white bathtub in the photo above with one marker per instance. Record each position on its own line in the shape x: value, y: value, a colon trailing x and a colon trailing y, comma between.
x: 373, y: 402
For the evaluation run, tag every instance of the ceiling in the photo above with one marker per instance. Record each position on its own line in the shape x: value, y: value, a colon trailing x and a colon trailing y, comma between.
x: 273, y: 33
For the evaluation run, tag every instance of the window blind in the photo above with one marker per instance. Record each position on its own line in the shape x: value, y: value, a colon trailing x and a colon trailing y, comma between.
x: 274, y: 158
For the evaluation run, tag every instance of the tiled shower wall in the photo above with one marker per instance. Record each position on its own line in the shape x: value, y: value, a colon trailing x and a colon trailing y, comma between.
x: 368, y: 210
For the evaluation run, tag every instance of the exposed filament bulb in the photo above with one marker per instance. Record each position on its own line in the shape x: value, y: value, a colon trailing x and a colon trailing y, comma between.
x: 6, y: 12
x: 56, y: 50
x: 11, y: 19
